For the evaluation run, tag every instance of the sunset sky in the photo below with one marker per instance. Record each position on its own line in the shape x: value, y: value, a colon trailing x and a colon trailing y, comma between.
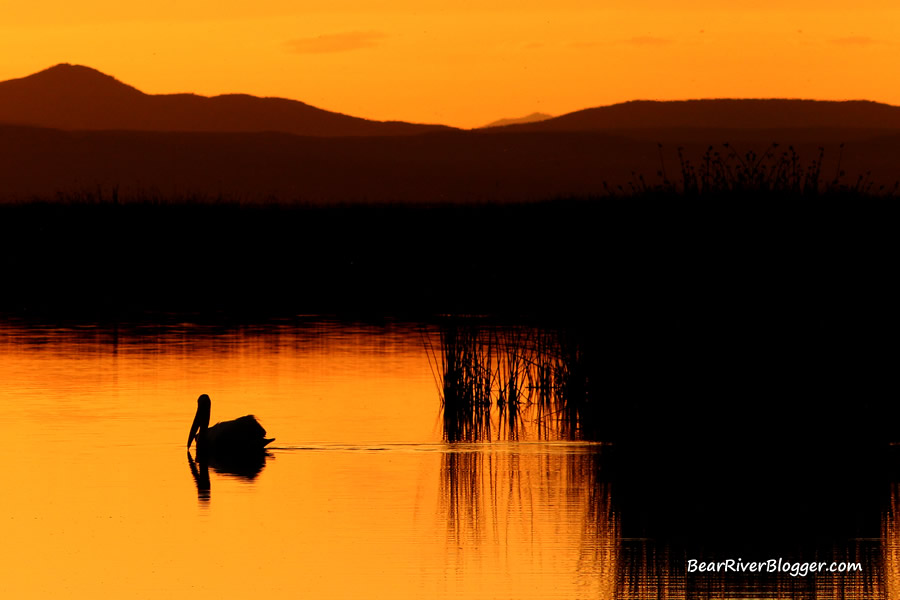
x: 468, y: 63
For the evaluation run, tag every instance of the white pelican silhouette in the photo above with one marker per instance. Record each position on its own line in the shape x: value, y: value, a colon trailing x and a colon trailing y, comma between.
x: 238, y: 437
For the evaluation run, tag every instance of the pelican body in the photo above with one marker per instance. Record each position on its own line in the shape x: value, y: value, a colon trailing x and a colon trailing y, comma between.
x: 240, y: 436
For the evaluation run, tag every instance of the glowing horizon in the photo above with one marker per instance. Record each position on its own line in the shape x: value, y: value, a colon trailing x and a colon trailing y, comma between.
x: 469, y: 66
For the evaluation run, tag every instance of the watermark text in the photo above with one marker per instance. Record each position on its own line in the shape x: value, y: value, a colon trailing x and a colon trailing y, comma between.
x: 773, y: 565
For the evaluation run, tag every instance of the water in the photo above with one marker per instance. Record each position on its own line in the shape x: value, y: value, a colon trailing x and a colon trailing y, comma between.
x: 361, y: 496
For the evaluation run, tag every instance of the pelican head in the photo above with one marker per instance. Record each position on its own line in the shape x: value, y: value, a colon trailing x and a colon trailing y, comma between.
x: 201, y: 419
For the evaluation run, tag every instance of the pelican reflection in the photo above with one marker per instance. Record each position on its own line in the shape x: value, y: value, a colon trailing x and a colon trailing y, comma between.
x: 245, y: 467
x: 236, y: 448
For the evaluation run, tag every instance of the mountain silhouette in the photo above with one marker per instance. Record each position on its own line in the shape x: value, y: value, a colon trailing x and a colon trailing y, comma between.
x: 532, y: 118
x: 71, y: 131
x: 727, y: 114
x: 74, y: 97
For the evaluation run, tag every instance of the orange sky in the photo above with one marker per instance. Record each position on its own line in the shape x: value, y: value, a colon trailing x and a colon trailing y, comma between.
x: 467, y: 63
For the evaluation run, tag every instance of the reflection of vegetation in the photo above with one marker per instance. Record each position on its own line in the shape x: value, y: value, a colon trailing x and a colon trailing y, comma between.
x: 507, y: 496
x: 651, y: 572
x: 494, y: 382
x: 528, y: 504
x: 890, y: 546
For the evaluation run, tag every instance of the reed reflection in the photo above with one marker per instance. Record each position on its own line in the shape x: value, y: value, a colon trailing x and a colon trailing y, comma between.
x: 653, y: 572
x: 890, y: 542
x: 640, y: 517
x: 757, y: 514
x: 532, y: 500
x: 527, y: 499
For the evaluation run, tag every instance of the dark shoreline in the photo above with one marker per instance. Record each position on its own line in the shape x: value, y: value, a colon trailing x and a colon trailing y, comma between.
x: 686, y: 286
x: 661, y: 291
x: 544, y: 260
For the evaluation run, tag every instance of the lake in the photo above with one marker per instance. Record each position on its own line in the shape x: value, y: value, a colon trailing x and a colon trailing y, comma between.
x: 362, y: 494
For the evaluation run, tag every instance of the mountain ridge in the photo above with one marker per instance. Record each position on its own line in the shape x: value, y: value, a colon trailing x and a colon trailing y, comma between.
x: 724, y: 113
x: 96, y: 132
x: 531, y: 118
x: 76, y: 97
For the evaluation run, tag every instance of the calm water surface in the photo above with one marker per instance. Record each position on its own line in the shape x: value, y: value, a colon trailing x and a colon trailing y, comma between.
x: 359, y: 498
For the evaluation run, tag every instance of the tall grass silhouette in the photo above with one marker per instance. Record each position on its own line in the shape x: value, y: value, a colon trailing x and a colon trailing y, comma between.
x: 511, y: 383
x: 774, y: 173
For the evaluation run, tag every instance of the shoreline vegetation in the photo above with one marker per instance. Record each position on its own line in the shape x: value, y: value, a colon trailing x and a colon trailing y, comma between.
x: 753, y: 292
x: 738, y: 259
x: 768, y: 222
x: 775, y: 173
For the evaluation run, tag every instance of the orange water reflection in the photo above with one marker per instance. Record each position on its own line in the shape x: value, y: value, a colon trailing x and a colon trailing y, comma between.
x: 360, y: 498
x: 99, y: 498
x: 569, y: 525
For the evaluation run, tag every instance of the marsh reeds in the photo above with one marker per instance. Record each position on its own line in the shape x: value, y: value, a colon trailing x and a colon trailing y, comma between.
x: 773, y: 173
x: 512, y: 383
x: 467, y: 378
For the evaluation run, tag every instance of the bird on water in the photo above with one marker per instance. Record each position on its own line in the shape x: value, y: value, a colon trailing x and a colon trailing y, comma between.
x: 240, y: 436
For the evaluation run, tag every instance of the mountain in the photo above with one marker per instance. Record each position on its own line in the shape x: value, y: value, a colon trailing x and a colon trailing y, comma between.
x: 532, y: 118
x: 74, y: 97
x: 70, y: 131
x: 724, y: 114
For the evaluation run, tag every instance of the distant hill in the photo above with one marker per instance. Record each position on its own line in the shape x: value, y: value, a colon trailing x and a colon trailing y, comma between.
x: 71, y: 130
x: 73, y: 97
x: 725, y: 114
x: 532, y: 118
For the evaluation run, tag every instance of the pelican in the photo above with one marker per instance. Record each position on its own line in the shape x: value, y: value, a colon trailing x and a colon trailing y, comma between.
x: 238, y: 437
